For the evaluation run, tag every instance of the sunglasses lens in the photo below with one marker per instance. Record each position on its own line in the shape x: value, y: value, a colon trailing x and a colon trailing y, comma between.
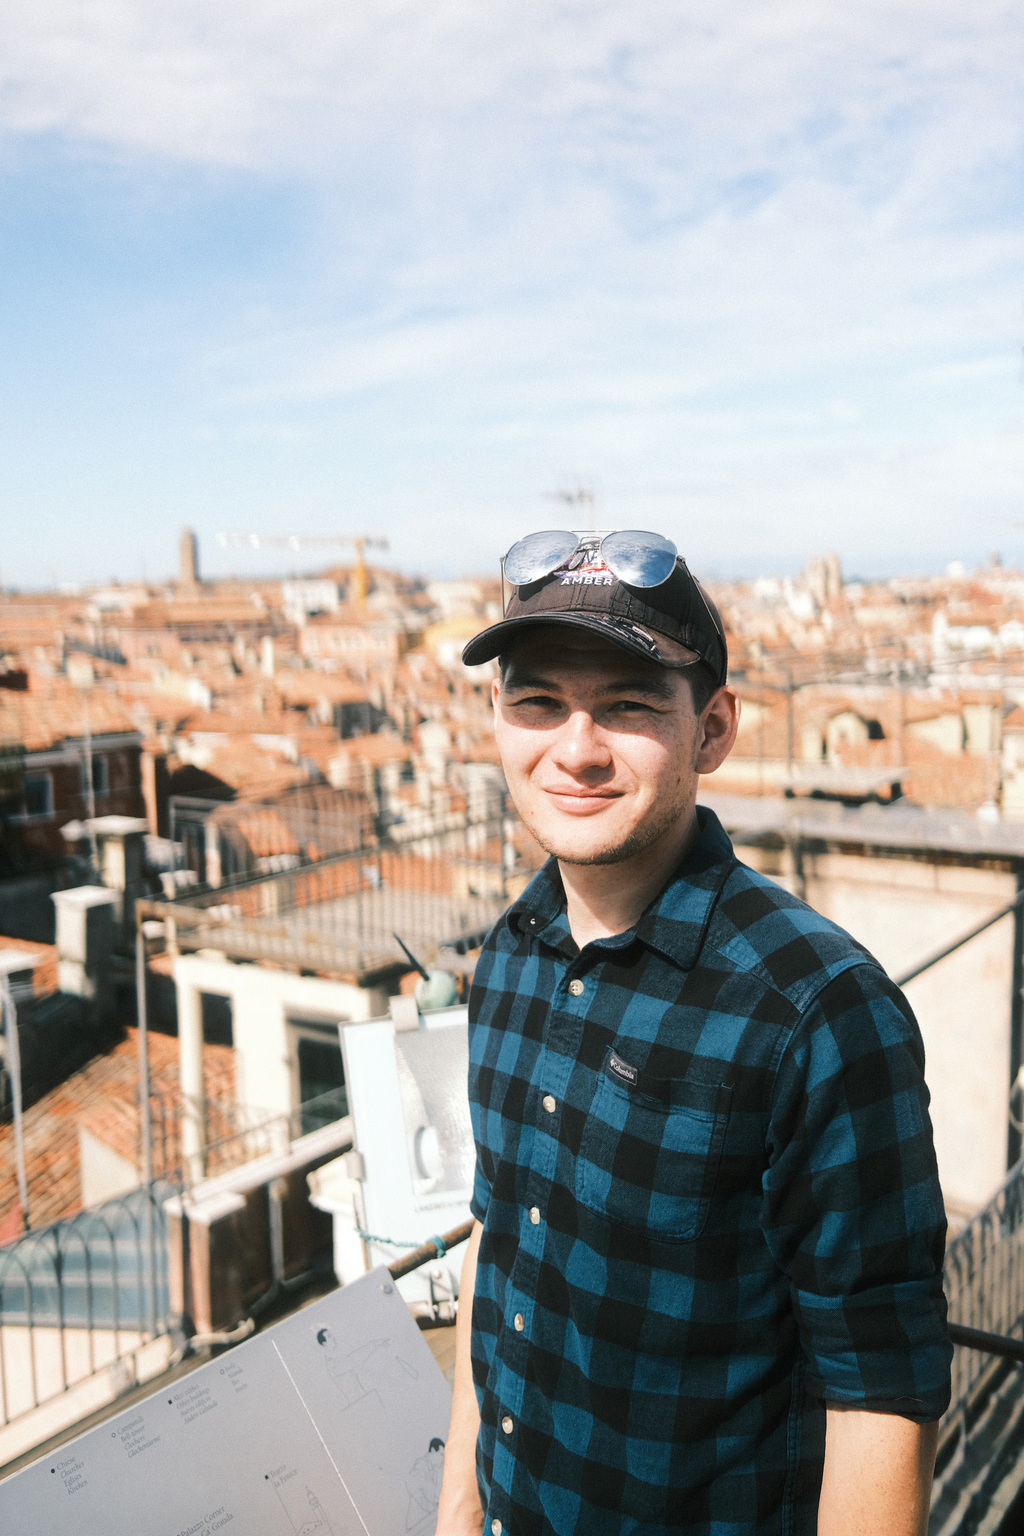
x: 538, y: 555
x: 639, y: 559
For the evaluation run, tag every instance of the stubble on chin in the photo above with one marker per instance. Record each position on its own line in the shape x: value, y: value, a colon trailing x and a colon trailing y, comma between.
x: 615, y: 851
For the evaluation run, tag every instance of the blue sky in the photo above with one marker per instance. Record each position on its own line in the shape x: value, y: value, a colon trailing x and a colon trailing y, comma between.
x: 752, y: 272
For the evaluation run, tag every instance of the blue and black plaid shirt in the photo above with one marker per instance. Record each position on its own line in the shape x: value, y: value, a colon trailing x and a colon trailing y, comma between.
x: 709, y: 1197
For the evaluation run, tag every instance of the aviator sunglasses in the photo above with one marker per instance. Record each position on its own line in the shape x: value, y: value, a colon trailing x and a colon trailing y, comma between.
x: 637, y: 558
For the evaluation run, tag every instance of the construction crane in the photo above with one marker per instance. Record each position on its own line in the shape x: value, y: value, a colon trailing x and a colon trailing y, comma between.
x: 360, y: 542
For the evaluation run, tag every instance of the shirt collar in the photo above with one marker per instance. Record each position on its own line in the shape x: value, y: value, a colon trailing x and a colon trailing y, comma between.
x: 540, y: 911
x: 674, y: 924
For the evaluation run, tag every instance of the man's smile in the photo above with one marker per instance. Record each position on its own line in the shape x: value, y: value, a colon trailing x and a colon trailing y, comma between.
x: 578, y: 801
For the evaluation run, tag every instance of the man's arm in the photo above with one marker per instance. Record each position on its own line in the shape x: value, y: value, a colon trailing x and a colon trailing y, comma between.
x: 878, y: 1474
x: 855, y: 1220
x: 459, y: 1512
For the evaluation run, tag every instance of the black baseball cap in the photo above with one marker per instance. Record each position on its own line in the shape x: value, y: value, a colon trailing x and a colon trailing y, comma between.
x: 583, y: 591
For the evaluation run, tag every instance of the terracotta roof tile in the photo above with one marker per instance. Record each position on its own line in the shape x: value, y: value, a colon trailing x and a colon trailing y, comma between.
x: 383, y: 748
x: 102, y: 1098
x: 53, y: 711
x: 246, y: 722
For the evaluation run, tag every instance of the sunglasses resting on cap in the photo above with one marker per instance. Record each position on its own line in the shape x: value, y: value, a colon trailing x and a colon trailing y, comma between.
x: 629, y: 587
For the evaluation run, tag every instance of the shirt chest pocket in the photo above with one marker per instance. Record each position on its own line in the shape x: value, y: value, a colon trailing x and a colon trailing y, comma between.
x: 650, y: 1152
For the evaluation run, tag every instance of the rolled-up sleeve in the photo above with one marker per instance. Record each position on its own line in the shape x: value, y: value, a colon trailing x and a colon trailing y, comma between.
x: 853, y: 1212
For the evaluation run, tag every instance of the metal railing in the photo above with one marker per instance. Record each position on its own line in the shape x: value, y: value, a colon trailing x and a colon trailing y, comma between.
x: 984, y: 1283
x: 90, y: 1290
x: 243, y: 838
x: 79, y: 1295
x: 340, y: 914
x: 235, y: 1133
x: 1014, y: 908
x: 965, y: 938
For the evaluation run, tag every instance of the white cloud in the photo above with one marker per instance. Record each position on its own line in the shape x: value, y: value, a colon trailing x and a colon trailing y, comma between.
x: 647, y: 91
x: 980, y: 368
x: 766, y: 256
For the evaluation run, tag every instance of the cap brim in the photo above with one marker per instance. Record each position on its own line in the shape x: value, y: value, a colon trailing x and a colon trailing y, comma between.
x: 492, y: 642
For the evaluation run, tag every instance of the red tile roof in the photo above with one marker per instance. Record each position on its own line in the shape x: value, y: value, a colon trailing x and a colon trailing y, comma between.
x: 53, y: 710
x: 252, y: 772
x: 101, y: 1097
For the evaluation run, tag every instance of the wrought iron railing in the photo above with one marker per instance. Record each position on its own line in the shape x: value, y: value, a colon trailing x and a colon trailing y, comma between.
x: 340, y: 914
x: 79, y: 1295
x: 83, y: 1293
x: 256, y: 1134
x: 235, y: 1133
x: 984, y: 1282
x: 243, y: 839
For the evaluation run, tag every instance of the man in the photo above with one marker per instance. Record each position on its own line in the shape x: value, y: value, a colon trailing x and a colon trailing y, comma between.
x: 703, y: 1290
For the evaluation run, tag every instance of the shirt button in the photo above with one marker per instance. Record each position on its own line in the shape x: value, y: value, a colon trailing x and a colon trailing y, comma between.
x: 535, y: 1215
x: 496, y: 1527
x: 519, y: 1322
x: 506, y: 1425
x: 576, y: 987
x: 549, y: 1103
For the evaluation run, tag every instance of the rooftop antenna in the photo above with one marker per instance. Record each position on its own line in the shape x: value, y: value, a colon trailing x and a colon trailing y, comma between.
x: 415, y: 963
x: 582, y: 496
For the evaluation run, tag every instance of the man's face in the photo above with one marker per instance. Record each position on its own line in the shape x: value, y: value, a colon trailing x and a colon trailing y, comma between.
x: 600, y: 748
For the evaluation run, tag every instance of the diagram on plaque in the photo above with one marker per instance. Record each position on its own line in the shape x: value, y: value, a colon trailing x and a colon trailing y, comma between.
x: 365, y: 1371
x: 263, y: 1440
x: 301, y: 1506
x: 423, y: 1484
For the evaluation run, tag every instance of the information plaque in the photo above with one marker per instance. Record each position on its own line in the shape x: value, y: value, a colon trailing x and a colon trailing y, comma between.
x: 331, y: 1423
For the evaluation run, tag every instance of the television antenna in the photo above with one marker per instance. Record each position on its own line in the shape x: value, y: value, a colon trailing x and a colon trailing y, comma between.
x: 582, y: 496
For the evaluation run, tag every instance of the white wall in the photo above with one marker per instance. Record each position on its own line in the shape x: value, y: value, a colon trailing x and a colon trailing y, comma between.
x: 262, y: 1001
x: 103, y: 1173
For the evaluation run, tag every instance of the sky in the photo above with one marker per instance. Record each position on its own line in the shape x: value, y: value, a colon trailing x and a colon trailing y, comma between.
x: 751, y: 273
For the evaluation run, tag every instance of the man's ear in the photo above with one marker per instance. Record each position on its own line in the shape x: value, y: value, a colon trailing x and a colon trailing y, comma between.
x: 716, y: 730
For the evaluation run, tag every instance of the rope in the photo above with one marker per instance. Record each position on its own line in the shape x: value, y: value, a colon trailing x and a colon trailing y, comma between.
x: 393, y: 1242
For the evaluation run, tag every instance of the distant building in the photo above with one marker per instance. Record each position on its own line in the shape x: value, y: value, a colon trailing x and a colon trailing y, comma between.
x: 188, y: 560
x: 326, y: 638
x: 302, y: 599
x: 51, y: 733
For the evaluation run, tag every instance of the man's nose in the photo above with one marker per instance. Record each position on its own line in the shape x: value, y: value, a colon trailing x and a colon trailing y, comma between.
x: 582, y: 745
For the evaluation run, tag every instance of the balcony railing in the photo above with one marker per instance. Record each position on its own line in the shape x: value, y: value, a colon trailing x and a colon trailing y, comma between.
x: 81, y: 1296
x: 984, y: 1283
x: 978, y: 1470
x: 89, y: 1294
x: 340, y: 915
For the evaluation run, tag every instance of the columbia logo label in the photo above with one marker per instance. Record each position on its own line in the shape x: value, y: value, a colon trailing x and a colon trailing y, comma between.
x: 622, y: 1068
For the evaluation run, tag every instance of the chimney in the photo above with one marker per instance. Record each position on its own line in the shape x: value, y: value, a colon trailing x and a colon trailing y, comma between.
x: 121, y: 854
x: 85, y: 937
